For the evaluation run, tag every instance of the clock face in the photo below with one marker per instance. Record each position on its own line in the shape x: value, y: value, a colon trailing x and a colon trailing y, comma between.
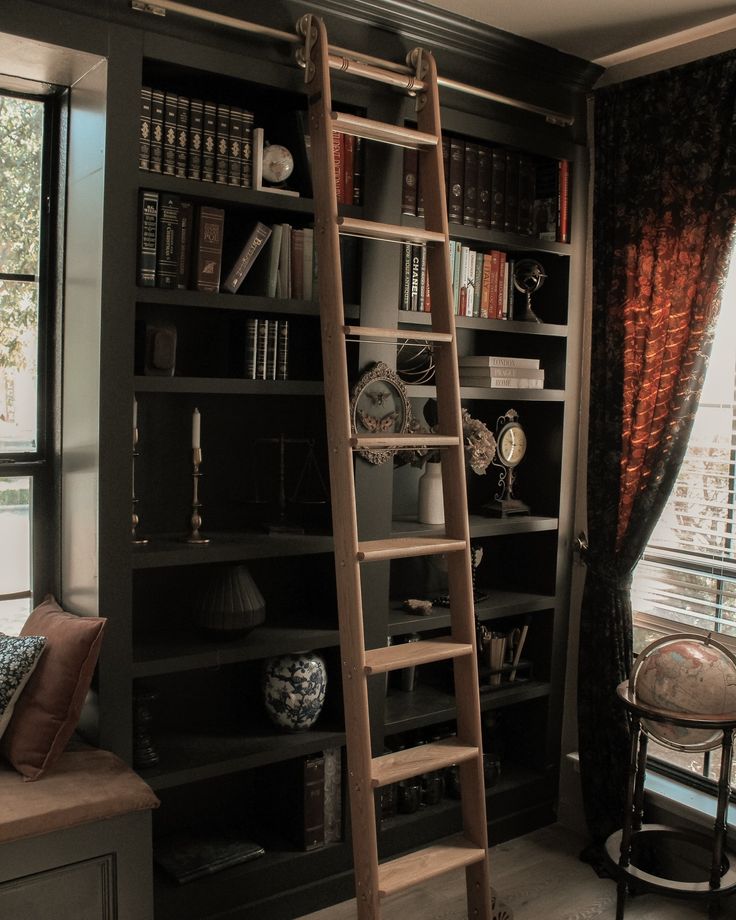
x: 511, y: 442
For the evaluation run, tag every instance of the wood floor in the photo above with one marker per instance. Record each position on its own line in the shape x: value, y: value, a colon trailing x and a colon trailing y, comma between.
x: 539, y: 877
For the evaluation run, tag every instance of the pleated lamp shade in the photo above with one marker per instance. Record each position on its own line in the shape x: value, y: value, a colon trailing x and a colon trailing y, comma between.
x: 231, y: 602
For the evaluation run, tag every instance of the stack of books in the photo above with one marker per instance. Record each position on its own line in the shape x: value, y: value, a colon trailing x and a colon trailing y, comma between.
x: 501, y: 372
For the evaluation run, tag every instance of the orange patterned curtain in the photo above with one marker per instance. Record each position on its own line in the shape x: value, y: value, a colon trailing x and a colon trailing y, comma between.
x: 663, y: 215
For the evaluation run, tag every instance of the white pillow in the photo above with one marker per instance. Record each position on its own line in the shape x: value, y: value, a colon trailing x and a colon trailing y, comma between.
x: 18, y: 657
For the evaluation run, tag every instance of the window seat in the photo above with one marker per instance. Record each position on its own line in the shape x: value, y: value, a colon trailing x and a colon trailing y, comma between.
x: 76, y: 844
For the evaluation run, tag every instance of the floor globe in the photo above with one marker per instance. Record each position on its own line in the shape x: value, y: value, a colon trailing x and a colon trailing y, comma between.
x: 685, y: 673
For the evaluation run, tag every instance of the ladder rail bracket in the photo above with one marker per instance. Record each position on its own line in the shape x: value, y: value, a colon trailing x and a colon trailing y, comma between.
x: 305, y: 53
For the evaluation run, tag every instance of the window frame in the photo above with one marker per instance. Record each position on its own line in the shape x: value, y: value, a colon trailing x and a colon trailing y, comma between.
x: 41, y: 466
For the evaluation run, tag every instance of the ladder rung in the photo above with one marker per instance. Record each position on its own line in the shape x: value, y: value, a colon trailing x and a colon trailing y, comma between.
x: 408, y: 654
x: 397, y: 547
x: 403, y: 441
x: 378, y: 131
x: 376, y: 332
x: 391, y: 768
x: 391, y: 233
x: 415, y: 868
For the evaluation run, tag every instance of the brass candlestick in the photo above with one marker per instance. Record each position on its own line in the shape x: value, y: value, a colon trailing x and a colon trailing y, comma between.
x: 134, y: 538
x: 196, y: 520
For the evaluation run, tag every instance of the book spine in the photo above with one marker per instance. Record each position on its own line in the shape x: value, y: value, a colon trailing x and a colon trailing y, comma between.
x: 563, y: 202
x: 503, y: 383
x: 406, y: 277
x: 246, y: 175
x: 184, y: 267
x: 297, y: 264
x: 409, y: 183
x: 511, y: 204
x: 470, y: 184
x: 358, y: 171
x: 485, y: 295
x: 235, y: 147
x: 307, y: 262
x: 470, y: 283
x: 333, y: 795
x: 209, y: 142
x: 251, y: 346
x: 222, y: 143
x: 144, y: 134
x: 157, y: 130
x: 262, y: 350
x: 209, y: 248
x: 247, y: 257
x: 493, y: 294
x: 478, y: 283
x: 171, y: 104
x: 497, y: 361
x: 337, y: 152
x: 502, y: 281
x: 457, y: 178
x: 415, y: 260
x: 349, y: 165
x: 526, y: 195
x: 509, y: 307
x: 169, y: 231
x: 282, y: 355
x: 313, y: 816
x: 463, y: 282
x: 196, y: 126
x: 273, y: 345
x: 498, y: 187
x: 422, y: 278
x: 427, y: 302
x: 182, y: 136
x: 147, y: 247
x: 514, y: 373
x: 483, y: 216
x: 456, y: 276
x: 446, y: 167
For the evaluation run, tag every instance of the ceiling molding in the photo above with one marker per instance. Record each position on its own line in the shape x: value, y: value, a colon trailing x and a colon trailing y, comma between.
x: 449, y: 31
x: 668, y: 42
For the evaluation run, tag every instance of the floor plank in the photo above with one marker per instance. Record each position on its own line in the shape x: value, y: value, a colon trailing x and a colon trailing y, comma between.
x: 539, y: 877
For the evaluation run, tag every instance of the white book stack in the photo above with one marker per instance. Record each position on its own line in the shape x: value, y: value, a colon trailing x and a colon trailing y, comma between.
x: 501, y: 372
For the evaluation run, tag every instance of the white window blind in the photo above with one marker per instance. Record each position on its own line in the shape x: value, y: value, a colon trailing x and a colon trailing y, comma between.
x: 686, y: 580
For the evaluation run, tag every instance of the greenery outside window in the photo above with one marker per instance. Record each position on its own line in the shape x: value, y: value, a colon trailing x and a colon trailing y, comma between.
x: 686, y: 580
x: 28, y: 131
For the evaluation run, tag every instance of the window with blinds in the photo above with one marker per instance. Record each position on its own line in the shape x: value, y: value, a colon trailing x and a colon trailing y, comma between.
x: 686, y: 580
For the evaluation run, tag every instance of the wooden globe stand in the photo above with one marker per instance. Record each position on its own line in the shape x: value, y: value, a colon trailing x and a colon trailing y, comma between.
x: 621, y: 847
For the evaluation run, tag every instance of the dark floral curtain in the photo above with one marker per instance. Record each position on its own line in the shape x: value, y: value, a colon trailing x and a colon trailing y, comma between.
x: 664, y: 210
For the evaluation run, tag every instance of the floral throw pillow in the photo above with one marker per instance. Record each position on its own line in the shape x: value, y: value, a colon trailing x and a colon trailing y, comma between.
x: 18, y: 657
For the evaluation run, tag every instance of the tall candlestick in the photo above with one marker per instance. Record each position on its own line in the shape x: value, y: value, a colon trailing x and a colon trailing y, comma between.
x: 135, y: 414
x: 196, y: 419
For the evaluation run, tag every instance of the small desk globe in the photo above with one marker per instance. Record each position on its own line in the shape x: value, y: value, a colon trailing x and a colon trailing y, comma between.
x: 278, y: 163
x: 685, y: 673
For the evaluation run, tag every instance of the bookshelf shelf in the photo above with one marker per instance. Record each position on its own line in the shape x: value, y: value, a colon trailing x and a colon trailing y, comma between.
x: 165, y: 551
x: 189, y: 651
x: 188, y: 757
x: 427, y: 705
x: 203, y: 301
x: 479, y: 526
x: 498, y: 604
x: 502, y: 239
x: 228, y: 386
x: 477, y: 324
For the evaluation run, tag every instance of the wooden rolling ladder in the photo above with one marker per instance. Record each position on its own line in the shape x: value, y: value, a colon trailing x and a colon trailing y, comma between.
x: 366, y: 773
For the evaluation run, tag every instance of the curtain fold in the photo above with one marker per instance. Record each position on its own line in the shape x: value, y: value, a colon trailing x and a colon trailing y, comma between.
x: 664, y: 206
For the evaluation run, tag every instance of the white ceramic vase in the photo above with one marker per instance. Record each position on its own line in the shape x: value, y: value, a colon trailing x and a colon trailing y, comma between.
x: 431, y: 506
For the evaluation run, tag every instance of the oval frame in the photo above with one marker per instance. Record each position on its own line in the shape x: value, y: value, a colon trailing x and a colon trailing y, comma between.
x: 379, y: 374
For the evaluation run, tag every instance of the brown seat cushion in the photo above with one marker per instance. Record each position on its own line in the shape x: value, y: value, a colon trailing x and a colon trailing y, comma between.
x: 87, y: 785
x: 48, y: 710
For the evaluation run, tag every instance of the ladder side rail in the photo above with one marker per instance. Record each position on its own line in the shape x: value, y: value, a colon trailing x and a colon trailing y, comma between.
x: 455, y: 497
x: 342, y: 484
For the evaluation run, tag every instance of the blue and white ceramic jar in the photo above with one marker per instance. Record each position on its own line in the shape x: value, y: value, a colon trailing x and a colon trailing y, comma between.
x: 294, y: 689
